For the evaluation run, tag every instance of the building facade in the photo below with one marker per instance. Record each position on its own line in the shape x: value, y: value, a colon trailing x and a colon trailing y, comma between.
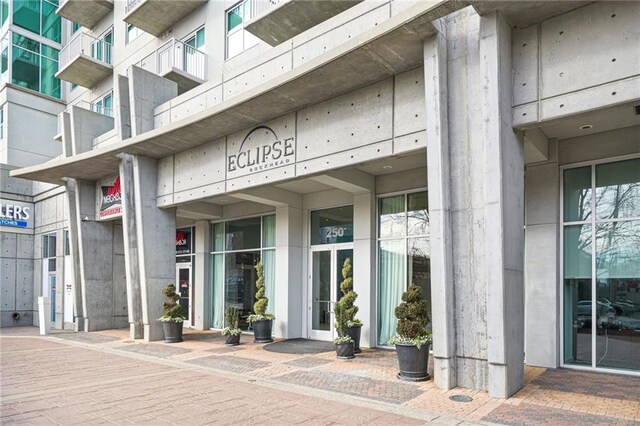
x: 487, y: 153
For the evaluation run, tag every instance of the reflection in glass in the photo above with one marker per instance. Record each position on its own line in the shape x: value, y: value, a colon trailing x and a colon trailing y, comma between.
x: 184, y: 279
x: 577, y: 251
x: 418, y: 266
x: 577, y: 194
x: 618, y: 189
x: 618, y: 294
x: 577, y: 321
x: 392, y: 217
x: 240, y: 286
x: 332, y: 226
x: 217, y: 297
x: 417, y: 214
x: 243, y: 234
x: 321, y: 302
x: 392, y: 282
x: 342, y: 256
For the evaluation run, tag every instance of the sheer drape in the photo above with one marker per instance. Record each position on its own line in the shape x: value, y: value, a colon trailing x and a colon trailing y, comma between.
x: 269, y: 263
x: 392, y: 283
x: 217, y: 293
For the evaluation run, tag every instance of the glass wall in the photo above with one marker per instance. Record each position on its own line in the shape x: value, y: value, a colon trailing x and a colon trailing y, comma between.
x: 403, y: 255
x: 601, y: 267
x: 39, y: 17
x: 237, y: 246
x: 33, y: 65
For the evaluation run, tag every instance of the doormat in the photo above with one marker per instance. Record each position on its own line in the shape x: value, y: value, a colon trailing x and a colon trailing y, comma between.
x: 300, y: 347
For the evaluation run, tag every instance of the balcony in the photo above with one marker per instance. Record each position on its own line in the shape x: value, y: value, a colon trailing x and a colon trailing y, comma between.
x: 85, y: 61
x: 85, y: 12
x: 178, y: 62
x: 157, y: 16
x: 276, y: 21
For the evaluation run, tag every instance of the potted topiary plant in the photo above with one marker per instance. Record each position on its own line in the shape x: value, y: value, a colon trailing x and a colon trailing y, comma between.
x: 344, y: 342
x: 231, y: 331
x: 173, y: 315
x: 260, y: 320
x: 347, y: 304
x: 413, y: 340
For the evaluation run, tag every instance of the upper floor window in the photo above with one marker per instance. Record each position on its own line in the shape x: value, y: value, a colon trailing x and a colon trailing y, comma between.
x: 4, y: 11
x: 34, y: 65
x: 101, y: 48
x: 104, y: 104
x: 196, y: 39
x: 39, y: 17
x: 2, y: 122
x: 132, y: 33
x: 75, y: 27
x: 239, y: 39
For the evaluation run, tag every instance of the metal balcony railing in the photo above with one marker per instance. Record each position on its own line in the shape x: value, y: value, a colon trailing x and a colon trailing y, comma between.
x: 131, y: 4
x: 85, y: 44
x: 175, y: 55
x: 259, y: 7
x: 100, y: 109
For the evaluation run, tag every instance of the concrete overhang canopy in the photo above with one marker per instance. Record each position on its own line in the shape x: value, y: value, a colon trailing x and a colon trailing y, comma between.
x: 390, y: 48
x: 288, y: 18
x: 157, y: 16
x: 85, y: 12
x: 522, y: 13
x: 85, y: 71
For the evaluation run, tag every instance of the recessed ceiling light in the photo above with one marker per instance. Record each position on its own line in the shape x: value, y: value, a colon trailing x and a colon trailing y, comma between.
x: 387, y: 167
x: 586, y: 126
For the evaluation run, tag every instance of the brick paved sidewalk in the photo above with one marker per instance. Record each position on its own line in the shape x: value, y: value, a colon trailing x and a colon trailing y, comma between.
x: 553, y: 397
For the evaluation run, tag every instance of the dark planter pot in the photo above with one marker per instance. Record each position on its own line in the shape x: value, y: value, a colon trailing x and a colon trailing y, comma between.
x: 354, y: 332
x: 262, y: 331
x: 232, y: 340
x: 172, y: 332
x: 345, y: 351
x: 413, y: 362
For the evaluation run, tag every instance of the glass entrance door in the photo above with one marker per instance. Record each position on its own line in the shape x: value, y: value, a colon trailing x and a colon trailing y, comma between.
x: 183, y: 278
x: 324, y: 288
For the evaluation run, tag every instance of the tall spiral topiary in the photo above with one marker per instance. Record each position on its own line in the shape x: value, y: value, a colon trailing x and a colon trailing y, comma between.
x: 345, y: 309
x: 412, y: 314
x: 260, y: 307
x: 171, y: 309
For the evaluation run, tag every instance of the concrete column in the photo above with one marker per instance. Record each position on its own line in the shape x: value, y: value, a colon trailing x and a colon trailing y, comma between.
x: 155, y: 230
x: 123, y: 110
x: 131, y: 251
x: 289, y: 280
x: 476, y: 191
x: 364, y: 264
x: 74, y: 229
x: 542, y: 205
x: 504, y: 213
x: 146, y: 91
x: 202, y: 275
x: 85, y: 126
x: 95, y: 255
x: 442, y: 290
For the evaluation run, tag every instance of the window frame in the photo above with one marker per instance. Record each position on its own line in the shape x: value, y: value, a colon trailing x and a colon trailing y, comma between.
x: 243, y: 4
x: 592, y: 221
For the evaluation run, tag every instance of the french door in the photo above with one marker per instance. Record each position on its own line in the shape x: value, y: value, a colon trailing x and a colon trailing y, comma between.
x: 324, y: 287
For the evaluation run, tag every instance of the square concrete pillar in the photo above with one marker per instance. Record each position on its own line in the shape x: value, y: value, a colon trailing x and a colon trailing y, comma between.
x: 94, y: 252
x: 202, y: 275
x: 74, y: 229
x: 290, y: 283
x: 364, y: 265
x: 154, y: 245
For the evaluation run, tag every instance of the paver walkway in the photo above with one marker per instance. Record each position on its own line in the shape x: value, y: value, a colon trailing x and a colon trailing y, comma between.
x: 89, y: 378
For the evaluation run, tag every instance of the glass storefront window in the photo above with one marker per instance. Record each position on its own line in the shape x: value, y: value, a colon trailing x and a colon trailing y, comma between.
x: 602, y: 294
x: 403, y: 255
x: 577, y: 194
x: 332, y: 226
x: 242, y: 234
x: 237, y: 246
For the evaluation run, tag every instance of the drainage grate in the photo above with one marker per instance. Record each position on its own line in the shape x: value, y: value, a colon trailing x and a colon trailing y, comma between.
x: 461, y: 398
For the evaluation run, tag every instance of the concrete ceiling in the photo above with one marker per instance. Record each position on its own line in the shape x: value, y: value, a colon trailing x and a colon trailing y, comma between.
x: 617, y: 117
x: 395, y: 164
x: 304, y: 186
x: 523, y: 13
x: 388, y: 49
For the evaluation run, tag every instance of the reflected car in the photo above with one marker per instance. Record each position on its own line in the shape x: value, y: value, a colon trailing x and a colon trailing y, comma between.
x: 605, y: 316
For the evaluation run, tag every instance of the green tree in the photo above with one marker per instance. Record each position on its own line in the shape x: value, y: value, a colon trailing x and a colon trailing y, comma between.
x: 412, y: 314
x: 345, y: 310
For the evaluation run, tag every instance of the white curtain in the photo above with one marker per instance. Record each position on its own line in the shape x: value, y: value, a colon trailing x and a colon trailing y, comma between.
x: 391, y: 285
x: 217, y: 292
